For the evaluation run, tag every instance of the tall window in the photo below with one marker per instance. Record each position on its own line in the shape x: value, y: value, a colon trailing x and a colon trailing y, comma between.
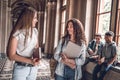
x: 103, y: 16
x: 63, y: 16
x: 64, y: 2
x: 118, y: 25
x: 118, y: 30
x: 63, y: 22
x: 60, y: 20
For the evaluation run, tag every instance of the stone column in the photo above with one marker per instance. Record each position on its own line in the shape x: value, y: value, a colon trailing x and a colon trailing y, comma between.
x: 50, y: 28
x: 76, y: 9
x: 9, y: 26
x: 90, y: 20
x: 4, y: 24
x: 41, y: 27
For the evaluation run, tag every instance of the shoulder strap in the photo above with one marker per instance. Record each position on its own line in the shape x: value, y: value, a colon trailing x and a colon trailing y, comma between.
x: 63, y: 41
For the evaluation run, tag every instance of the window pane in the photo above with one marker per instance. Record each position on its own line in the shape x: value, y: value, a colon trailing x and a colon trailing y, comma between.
x: 118, y: 25
x: 118, y: 49
x: 105, y: 5
x: 64, y: 2
x: 104, y: 22
x: 118, y: 31
x: 63, y: 15
x: 62, y: 29
x: 119, y: 4
x: 63, y: 22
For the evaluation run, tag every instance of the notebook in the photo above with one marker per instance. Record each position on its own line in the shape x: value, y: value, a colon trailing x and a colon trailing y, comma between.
x: 72, y: 50
x: 37, y: 53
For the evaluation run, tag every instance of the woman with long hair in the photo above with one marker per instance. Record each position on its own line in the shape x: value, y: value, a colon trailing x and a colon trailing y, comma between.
x: 70, y: 68
x: 22, y: 42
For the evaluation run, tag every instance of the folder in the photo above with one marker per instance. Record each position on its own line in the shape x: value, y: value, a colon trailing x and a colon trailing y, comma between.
x: 72, y: 50
x: 37, y: 53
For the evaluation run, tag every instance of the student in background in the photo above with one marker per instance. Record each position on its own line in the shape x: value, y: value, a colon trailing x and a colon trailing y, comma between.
x: 67, y: 68
x: 22, y: 42
x: 94, y: 47
x: 107, y: 57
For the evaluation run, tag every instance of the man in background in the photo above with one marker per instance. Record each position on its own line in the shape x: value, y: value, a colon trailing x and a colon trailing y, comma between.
x: 94, y: 47
x: 106, y: 58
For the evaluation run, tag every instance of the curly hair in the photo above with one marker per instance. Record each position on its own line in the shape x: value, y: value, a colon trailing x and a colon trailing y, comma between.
x: 79, y: 32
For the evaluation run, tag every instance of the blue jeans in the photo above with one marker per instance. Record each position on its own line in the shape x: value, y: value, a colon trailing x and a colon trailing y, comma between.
x: 24, y: 72
x: 69, y: 74
x: 57, y: 77
x: 103, y: 68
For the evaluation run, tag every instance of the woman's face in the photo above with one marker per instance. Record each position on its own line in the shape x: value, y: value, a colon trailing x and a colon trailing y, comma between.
x: 34, y: 20
x: 70, y: 28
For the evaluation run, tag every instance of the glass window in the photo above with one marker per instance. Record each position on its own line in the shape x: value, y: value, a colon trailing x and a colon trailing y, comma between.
x: 64, y: 2
x: 119, y: 4
x: 105, y: 5
x: 63, y: 17
x: 104, y: 21
x: 60, y: 20
x: 117, y: 37
x: 63, y: 22
x: 103, y: 16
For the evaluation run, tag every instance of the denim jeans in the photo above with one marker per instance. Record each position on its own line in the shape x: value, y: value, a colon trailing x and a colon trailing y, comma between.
x: 103, y: 68
x: 24, y: 72
x: 69, y: 74
x: 57, y: 77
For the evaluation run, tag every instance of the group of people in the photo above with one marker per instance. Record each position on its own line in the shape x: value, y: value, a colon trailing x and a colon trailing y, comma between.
x: 104, y: 54
x: 24, y: 40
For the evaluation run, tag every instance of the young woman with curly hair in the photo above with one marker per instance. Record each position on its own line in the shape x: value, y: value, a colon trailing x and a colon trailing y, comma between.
x: 70, y: 68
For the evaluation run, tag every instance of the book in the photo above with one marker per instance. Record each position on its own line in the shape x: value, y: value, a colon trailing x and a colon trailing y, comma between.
x: 72, y: 50
x: 37, y: 53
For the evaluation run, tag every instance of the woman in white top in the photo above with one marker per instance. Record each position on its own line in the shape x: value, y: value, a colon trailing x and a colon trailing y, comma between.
x: 22, y: 42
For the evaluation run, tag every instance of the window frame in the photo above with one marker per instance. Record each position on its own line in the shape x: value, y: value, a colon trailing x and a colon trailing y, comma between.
x: 99, y: 14
x: 62, y: 9
x: 118, y: 24
x: 117, y: 35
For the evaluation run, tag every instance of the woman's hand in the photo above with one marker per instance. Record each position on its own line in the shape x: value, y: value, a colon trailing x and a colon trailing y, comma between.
x: 63, y: 56
x: 67, y: 61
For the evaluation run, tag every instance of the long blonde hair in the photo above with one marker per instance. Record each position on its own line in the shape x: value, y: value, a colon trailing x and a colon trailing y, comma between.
x: 24, y: 21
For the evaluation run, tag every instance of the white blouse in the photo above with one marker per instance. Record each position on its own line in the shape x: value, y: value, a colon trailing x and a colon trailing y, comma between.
x: 26, y: 49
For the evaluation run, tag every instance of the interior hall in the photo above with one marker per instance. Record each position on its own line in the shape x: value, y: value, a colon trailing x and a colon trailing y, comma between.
x: 96, y: 16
